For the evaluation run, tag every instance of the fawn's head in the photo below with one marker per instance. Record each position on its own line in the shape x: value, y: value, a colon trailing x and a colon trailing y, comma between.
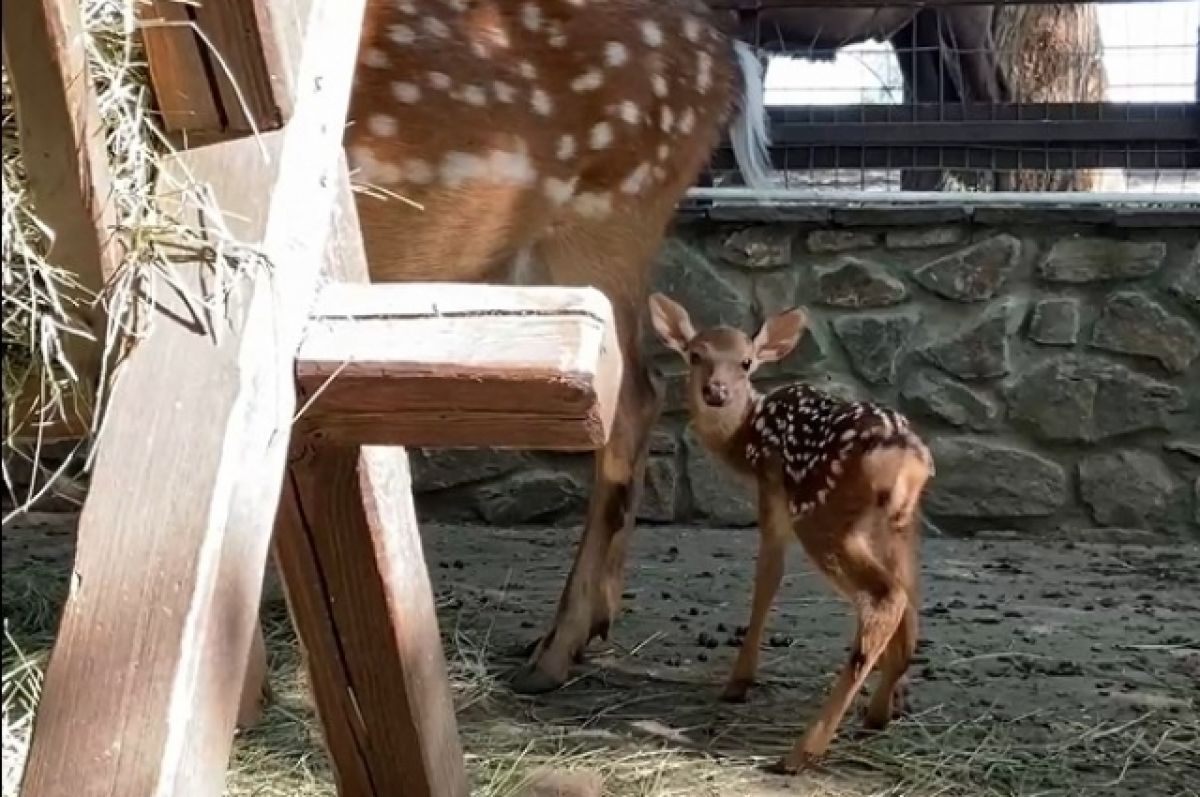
x: 721, y: 359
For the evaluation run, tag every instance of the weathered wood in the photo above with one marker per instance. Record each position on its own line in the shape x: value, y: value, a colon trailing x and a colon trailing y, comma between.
x: 451, y: 364
x: 217, y: 67
x: 143, y: 686
x: 66, y: 166
x: 349, y: 552
x: 255, y: 688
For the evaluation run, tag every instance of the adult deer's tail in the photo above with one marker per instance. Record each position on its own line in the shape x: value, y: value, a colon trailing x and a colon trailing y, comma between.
x: 748, y: 131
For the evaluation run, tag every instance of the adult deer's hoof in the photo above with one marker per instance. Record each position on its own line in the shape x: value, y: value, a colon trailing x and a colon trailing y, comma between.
x: 735, y: 692
x: 532, y: 680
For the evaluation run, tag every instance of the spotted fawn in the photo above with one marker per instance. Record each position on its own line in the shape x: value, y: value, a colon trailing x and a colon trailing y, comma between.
x: 844, y: 477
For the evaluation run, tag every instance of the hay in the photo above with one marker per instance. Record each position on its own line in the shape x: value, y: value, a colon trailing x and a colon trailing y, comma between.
x: 43, y: 303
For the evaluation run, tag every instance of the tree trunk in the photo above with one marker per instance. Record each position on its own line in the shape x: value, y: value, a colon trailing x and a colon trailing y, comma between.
x: 1052, y: 53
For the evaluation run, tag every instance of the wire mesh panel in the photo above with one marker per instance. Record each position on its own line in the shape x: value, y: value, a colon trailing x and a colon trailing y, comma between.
x: 889, y: 95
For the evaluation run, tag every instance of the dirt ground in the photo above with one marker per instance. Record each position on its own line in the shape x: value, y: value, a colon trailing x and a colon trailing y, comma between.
x: 1044, y: 668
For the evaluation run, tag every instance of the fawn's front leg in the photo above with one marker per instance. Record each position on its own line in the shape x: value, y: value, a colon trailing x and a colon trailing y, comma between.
x: 774, y: 530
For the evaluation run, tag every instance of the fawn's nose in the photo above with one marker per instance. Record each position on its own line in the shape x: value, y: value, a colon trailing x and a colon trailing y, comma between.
x: 715, y: 394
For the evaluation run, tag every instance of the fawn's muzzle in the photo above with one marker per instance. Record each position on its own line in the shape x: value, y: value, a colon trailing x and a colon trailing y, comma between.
x: 715, y: 394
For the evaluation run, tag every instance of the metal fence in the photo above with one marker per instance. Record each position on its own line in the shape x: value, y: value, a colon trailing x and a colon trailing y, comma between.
x: 892, y: 95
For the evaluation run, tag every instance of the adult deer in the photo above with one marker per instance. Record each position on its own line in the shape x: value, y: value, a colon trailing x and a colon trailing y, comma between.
x: 845, y: 478
x: 946, y: 54
x: 548, y: 141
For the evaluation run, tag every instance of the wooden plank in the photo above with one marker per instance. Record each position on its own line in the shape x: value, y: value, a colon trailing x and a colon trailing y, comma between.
x: 255, y: 688
x: 372, y: 646
x: 219, y: 68
x: 66, y: 166
x: 450, y: 365
x: 174, y: 536
x: 179, y: 72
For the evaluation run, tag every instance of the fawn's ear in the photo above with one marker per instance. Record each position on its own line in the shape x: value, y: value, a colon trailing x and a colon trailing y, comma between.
x: 779, y: 335
x: 671, y: 322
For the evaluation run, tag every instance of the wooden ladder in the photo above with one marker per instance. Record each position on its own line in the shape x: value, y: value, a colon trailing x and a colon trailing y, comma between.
x: 280, y: 413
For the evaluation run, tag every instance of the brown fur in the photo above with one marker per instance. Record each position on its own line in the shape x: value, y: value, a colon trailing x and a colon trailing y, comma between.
x: 863, y: 537
x: 512, y: 230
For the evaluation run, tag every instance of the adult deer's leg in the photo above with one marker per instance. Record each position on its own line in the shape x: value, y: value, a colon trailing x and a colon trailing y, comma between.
x: 614, y: 256
x: 774, y: 528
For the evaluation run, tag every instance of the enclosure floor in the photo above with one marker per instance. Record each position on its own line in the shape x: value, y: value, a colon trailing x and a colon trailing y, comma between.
x: 1044, y: 669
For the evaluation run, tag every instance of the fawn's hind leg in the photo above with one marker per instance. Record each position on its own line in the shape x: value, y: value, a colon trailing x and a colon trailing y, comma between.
x: 774, y: 529
x: 888, y: 698
x: 880, y: 602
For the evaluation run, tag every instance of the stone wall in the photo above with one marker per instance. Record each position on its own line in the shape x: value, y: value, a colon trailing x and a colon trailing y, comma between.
x: 1052, y: 364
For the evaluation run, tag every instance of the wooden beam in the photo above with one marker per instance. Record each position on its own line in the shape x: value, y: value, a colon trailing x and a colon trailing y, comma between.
x: 460, y: 365
x: 349, y: 551
x: 67, y: 172
x: 217, y: 68
x: 142, y: 689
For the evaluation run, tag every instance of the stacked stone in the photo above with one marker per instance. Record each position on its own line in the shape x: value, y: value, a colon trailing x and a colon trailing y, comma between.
x: 1055, y: 373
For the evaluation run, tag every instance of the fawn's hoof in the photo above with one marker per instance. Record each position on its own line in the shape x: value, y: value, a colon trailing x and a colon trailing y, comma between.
x: 531, y: 679
x: 735, y: 692
x: 794, y: 763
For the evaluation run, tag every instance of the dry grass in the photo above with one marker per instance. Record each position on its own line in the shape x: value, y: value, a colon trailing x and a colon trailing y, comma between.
x: 648, y: 737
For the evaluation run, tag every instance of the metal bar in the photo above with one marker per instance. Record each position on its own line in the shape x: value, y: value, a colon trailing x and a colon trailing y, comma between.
x: 982, y: 133
x: 1084, y: 155
x: 956, y: 198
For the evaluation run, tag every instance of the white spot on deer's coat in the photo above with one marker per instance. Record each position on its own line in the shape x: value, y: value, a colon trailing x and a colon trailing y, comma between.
x: 660, y: 173
x: 651, y: 33
x: 704, y: 65
x: 659, y: 84
x: 629, y: 112
x: 559, y: 191
x: 407, y: 7
x: 636, y: 179
x: 406, y: 92
x: 615, y: 54
x: 667, y: 119
x: 593, y: 204
x: 588, y: 81
x: 382, y: 125
x: 664, y: 152
x: 558, y: 39
x: 687, y: 121
x: 691, y: 29
x: 566, y: 147
x: 472, y: 95
x: 531, y: 16
x: 540, y: 102
x: 527, y: 70
x: 504, y: 92
x: 435, y: 27
x: 375, y: 58
x: 601, y: 136
x: 416, y: 171
x: 401, y: 34
x: 499, y: 166
x: 440, y: 80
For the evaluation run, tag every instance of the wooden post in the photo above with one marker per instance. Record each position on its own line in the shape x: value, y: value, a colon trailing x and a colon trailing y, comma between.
x: 66, y: 165
x: 143, y: 686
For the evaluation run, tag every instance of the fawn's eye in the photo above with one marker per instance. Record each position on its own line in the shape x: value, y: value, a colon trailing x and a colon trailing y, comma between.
x: 746, y: 363
x: 694, y: 357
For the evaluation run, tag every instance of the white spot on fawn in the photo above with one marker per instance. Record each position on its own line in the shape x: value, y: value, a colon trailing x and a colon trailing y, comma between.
x: 540, y: 102
x: 499, y: 166
x: 691, y: 29
x: 435, y: 27
x: 636, y: 179
x: 439, y: 80
x: 560, y: 191
x: 417, y: 171
x: 558, y: 39
x: 704, y: 65
x: 382, y: 125
x: 629, y: 112
x: 588, y: 81
x: 401, y: 34
x: 407, y: 7
x: 406, y: 92
x: 651, y: 33
x: 593, y: 204
x: 667, y: 119
x: 375, y: 58
x: 659, y: 84
x: 472, y: 95
x: 615, y: 54
x: 527, y: 71
x: 601, y: 136
x: 566, y: 147
x: 687, y: 121
x: 531, y: 16
x: 504, y: 92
